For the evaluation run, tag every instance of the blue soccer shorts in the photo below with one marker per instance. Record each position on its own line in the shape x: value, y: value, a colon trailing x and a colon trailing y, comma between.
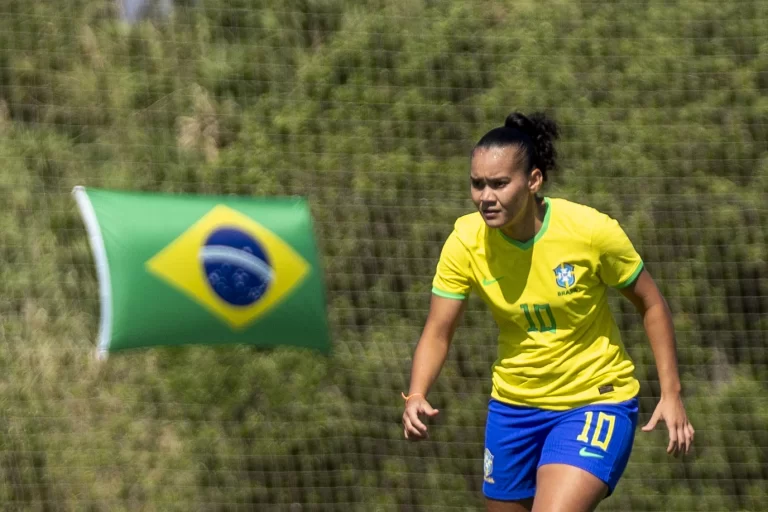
x: 518, y: 440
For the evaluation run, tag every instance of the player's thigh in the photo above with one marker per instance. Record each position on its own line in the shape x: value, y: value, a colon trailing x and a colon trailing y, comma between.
x: 509, y: 506
x: 564, y: 488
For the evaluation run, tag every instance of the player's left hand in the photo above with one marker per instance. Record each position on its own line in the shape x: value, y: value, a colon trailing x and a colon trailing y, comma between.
x: 670, y: 409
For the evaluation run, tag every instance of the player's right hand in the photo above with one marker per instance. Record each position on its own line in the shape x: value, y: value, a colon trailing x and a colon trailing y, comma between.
x: 413, y: 428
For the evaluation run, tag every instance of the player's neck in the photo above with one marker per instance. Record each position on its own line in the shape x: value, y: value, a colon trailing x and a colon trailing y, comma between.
x: 529, y: 224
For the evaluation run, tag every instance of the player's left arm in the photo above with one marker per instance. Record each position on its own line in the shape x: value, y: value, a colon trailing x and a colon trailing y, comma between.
x: 657, y: 320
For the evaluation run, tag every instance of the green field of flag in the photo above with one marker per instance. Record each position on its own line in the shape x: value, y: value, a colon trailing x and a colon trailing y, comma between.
x: 195, y: 269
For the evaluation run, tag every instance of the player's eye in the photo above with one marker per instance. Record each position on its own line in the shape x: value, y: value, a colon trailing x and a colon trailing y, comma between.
x: 478, y: 184
x: 498, y: 184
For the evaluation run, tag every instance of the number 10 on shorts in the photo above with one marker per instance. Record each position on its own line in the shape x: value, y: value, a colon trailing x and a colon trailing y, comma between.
x: 601, y: 419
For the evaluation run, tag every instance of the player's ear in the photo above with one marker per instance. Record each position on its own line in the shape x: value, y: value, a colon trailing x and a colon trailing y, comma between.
x: 535, y: 180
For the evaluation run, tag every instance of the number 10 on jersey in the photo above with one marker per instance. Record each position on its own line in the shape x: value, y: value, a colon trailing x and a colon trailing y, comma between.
x: 543, y: 325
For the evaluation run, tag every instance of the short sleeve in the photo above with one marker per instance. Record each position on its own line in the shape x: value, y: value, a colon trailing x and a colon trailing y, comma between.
x: 620, y: 264
x: 452, y: 277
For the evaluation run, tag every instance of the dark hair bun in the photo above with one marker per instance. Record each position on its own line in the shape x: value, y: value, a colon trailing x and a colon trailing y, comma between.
x: 543, y: 131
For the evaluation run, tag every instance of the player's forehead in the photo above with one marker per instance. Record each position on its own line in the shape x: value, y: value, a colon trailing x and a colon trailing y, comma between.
x: 494, y: 163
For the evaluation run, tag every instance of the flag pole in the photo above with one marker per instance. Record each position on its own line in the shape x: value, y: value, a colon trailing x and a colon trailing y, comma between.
x: 102, y: 268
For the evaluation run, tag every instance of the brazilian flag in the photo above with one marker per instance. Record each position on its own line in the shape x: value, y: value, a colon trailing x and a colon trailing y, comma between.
x: 195, y: 269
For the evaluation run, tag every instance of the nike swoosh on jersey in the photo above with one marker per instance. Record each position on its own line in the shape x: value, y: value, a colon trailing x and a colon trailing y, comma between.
x: 488, y: 282
x: 586, y: 453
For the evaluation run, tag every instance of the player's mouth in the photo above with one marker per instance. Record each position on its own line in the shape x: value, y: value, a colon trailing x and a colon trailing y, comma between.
x: 491, y: 214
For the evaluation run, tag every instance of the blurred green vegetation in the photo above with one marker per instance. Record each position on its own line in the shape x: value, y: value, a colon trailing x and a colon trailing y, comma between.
x: 369, y: 108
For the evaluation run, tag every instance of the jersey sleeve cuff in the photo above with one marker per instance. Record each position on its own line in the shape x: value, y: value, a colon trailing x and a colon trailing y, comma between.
x: 448, y: 295
x: 631, y: 279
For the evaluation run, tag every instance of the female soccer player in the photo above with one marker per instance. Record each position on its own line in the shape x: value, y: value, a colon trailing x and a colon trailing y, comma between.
x: 563, y: 407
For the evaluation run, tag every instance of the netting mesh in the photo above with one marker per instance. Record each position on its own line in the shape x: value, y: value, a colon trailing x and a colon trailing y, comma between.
x: 369, y: 109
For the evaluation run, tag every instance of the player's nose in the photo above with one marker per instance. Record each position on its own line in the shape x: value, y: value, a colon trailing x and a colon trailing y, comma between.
x: 487, y: 196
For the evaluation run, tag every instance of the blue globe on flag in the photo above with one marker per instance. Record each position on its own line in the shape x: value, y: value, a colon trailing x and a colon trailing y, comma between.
x: 236, y: 266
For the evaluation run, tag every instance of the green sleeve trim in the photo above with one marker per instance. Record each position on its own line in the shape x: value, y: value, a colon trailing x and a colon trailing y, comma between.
x: 448, y: 295
x: 631, y: 278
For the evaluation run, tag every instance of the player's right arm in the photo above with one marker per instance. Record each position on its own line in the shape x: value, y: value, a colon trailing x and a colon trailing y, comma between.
x: 451, y: 287
x: 428, y: 359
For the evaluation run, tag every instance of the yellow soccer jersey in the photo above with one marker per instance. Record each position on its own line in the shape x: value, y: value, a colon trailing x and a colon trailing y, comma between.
x: 559, y: 346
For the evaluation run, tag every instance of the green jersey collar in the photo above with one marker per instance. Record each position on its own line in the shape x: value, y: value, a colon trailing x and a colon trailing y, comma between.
x: 544, y: 226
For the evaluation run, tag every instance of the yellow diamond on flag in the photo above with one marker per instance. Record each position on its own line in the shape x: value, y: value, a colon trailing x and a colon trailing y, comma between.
x: 231, y: 265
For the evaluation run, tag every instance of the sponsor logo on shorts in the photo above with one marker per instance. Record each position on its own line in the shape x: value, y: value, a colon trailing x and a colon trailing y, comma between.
x: 586, y: 453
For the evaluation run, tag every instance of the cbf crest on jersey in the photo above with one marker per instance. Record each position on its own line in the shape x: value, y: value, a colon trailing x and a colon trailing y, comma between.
x: 190, y: 269
x: 564, y: 276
